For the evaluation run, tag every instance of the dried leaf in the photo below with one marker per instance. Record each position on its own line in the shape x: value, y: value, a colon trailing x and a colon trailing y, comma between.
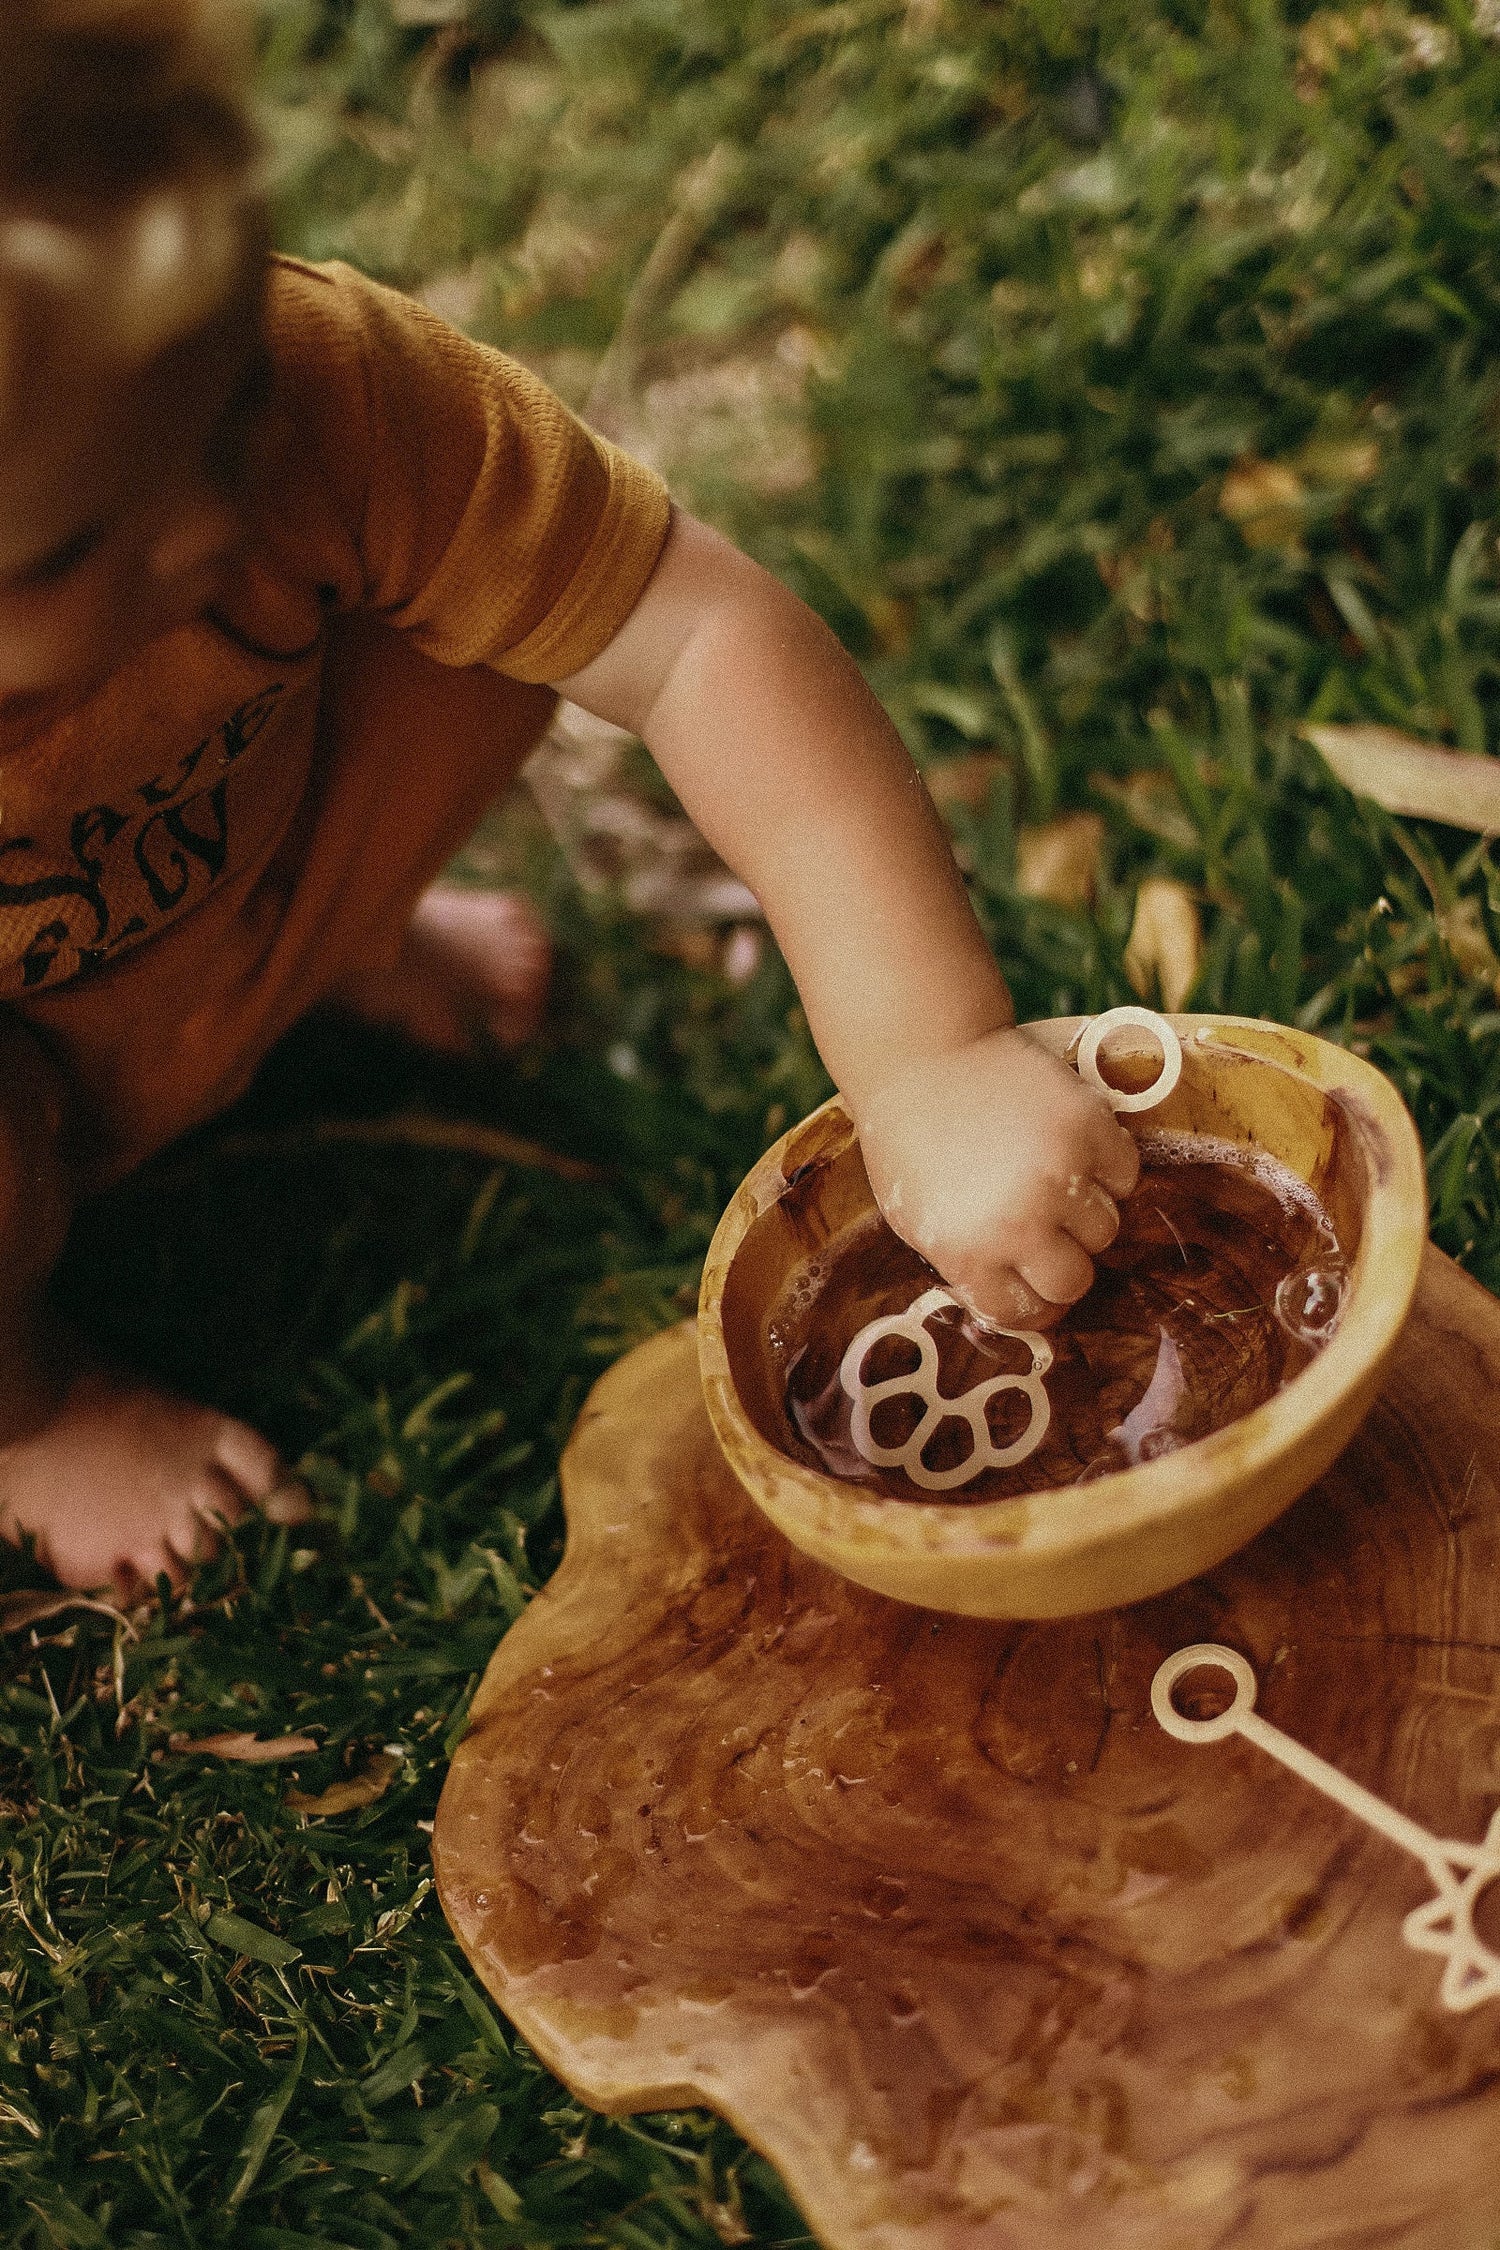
x: 244, y: 1749
x: 1151, y: 802
x: 1417, y: 779
x: 1060, y: 861
x: 1166, y: 941
x: 1323, y: 40
x: 1265, y: 499
x: 19, y: 1610
x: 1134, y: 575
x: 347, y: 1796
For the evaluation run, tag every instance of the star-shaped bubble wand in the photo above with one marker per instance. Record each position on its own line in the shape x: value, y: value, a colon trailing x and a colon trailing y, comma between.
x: 1444, y: 1925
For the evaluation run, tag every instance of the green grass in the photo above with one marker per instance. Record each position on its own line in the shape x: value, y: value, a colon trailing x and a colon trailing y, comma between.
x: 1047, y: 274
x: 227, y: 2021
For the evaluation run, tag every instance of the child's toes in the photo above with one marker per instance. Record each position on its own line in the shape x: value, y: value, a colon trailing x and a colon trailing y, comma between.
x: 289, y: 1503
x: 260, y: 1474
x: 476, y: 965
x: 136, y: 1571
x: 248, y: 1461
x: 259, y: 1477
x: 217, y: 1503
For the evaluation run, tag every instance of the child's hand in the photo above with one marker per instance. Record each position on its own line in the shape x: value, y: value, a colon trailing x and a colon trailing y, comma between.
x: 1001, y: 1167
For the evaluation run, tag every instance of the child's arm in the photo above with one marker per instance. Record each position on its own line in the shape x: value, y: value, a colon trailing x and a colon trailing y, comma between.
x: 987, y: 1155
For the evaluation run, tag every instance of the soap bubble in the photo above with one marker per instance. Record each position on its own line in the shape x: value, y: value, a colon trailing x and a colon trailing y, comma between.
x: 1309, y: 1302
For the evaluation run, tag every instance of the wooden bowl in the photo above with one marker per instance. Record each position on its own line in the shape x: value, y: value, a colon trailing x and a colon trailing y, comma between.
x: 1332, y: 1119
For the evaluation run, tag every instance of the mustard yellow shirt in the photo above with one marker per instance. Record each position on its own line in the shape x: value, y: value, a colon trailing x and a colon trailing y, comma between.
x: 425, y: 481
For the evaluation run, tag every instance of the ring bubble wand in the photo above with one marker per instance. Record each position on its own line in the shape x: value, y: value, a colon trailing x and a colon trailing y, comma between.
x: 1131, y: 1019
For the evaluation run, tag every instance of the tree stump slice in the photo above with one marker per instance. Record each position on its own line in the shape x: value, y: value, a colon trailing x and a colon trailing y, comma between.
x: 934, y: 1912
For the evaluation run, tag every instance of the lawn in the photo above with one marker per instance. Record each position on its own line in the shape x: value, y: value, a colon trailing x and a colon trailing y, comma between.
x: 1120, y: 381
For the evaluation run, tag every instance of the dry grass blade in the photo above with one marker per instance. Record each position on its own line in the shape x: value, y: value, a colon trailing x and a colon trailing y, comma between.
x: 1414, y: 778
x: 244, y: 1749
x: 347, y: 1796
x: 20, y: 1610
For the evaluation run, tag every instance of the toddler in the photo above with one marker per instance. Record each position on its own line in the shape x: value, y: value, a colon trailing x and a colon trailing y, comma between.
x: 290, y: 577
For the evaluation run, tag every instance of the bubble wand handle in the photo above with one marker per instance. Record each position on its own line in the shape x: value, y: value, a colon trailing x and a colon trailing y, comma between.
x: 1445, y: 1925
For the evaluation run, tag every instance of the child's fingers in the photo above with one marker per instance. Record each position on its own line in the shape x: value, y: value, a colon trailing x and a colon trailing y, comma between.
x: 1057, y: 1269
x: 1117, y: 1160
x: 1090, y: 1215
x: 1032, y: 1289
x: 1003, y: 1300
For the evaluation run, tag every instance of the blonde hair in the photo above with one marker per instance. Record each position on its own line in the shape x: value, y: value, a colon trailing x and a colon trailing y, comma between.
x: 127, y: 164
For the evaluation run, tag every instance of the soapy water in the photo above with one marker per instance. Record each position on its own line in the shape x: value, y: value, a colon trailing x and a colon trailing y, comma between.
x: 1225, y: 1279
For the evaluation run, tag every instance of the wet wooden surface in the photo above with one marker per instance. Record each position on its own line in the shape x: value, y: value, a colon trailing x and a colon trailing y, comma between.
x: 933, y: 1910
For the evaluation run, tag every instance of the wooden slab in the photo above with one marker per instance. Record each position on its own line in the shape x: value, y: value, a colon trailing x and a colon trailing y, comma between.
x: 933, y: 1911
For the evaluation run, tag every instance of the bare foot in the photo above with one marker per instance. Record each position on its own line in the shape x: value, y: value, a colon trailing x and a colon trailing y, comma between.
x: 475, y: 966
x: 118, y: 1481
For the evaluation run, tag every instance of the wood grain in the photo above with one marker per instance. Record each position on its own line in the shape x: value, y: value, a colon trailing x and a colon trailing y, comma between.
x: 931, y: 1908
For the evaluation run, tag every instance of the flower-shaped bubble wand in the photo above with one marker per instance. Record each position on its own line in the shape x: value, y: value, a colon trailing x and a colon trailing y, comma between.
x: 921, y: 1382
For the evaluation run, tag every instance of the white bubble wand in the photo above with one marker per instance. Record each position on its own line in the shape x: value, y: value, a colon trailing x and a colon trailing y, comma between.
x: 1458, y: 1871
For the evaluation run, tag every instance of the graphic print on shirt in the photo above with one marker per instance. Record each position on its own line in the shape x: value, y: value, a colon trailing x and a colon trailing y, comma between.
x: 132, y: 863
